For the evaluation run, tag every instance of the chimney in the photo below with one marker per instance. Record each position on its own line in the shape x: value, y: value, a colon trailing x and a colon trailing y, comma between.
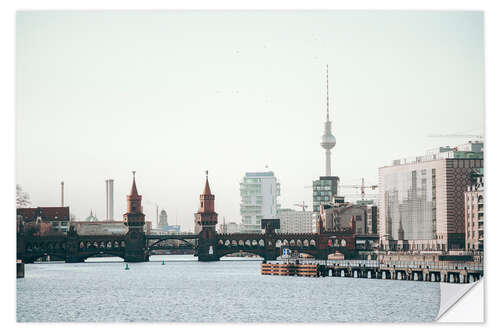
x: 62, y: 194
x: 109, y: 200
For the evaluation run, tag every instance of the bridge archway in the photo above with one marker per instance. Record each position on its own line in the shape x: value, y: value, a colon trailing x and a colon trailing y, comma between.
x: 97, y: 254
x: 33, y: 257
x: 150, y: 247
x: 310, y: 254
x: 246, y: 251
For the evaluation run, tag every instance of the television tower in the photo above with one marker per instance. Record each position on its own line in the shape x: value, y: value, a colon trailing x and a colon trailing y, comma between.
x: 328, y: 141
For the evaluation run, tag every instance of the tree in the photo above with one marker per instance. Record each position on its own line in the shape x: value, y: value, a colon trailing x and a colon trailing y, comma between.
x: 22, y: 198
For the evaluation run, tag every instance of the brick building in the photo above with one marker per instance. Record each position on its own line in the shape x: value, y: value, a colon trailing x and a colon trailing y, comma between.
x: 46, y: 219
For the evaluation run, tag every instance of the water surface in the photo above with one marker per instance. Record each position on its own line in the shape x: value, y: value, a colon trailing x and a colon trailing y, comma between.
x: 184, y: 290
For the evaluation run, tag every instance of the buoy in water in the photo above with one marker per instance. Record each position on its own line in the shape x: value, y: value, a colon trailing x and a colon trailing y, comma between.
x: 126, y: 267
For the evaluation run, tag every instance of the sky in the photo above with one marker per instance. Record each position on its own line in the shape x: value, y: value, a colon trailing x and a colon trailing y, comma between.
x: 171, y: 94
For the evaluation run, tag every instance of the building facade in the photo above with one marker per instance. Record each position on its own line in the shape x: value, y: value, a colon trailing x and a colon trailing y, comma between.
x: 371, y: 219
x: 474, y: 214
x: 292, y: 221
x: 421, y: 201
x: 259, y: 199
x: 57, y: 217
x: 229, y: 228
x: 106, y: 227
x: 324, y: 189
x: 339, y: 216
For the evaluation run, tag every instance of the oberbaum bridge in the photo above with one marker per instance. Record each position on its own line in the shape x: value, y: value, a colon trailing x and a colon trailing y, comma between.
x: 136, y: 246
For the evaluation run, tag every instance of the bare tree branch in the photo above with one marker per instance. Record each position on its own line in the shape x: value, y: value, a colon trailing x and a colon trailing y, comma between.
x: 22, y: 198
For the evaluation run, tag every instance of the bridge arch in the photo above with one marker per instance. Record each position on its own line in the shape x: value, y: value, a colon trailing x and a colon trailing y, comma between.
x: 97, y: 253
x: 256, y: 252
x: 299, y: 251
x: 35, y: 256
x: 167, y: 239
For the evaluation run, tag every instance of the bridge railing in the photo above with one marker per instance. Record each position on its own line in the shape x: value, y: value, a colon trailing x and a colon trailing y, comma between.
x: 470, y: 266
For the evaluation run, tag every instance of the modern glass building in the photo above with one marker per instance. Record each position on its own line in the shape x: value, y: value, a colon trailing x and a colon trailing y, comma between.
x: 474, y: 213
x: 421, y: 201
x: 259, y: 199
x: 324, y: 189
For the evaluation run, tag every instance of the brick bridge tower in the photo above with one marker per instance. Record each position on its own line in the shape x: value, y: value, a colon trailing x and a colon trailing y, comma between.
x: 205, y: 222
x: 322, y: 239
x: 135, y: 239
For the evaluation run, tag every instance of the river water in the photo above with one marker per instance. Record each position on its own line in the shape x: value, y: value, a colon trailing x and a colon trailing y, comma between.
x: 232, y: 290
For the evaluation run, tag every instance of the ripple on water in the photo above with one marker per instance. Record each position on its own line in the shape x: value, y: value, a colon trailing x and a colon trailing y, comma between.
x: 226, y: 291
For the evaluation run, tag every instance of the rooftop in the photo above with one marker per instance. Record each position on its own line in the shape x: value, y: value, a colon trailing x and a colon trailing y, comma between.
x: 469, y: 150
x: 259, y: 174
x: 46, y: 213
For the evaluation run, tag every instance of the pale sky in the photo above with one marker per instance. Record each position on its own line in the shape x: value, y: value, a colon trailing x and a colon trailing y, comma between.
x: 171, y: 94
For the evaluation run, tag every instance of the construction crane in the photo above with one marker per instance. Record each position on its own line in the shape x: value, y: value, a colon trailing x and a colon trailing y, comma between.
x: 303, y: 205
x: 362, y: 187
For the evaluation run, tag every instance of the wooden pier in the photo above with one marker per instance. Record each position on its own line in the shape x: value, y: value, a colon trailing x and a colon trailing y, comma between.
x: 465, y: 272
x: 290, y: 269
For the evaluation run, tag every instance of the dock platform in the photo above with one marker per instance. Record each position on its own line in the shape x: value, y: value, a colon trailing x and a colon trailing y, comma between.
x: 465, y: 272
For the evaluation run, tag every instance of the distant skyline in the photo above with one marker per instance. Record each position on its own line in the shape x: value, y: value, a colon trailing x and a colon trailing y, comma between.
x: 171, y: 94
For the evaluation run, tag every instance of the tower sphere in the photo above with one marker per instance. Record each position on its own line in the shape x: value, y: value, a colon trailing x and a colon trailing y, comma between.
x: 328, y: 141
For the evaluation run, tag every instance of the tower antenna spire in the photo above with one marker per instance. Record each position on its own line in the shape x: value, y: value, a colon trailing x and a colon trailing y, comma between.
x: 328, y: 141
x: 327, y: 97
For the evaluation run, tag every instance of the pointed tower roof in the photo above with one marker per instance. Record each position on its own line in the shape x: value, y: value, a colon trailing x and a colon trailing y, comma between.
x: 206, y: 190
x: 133, y: 191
